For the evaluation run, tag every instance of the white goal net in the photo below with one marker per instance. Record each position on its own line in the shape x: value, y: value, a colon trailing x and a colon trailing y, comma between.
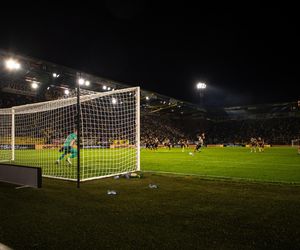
x: 44, y: 135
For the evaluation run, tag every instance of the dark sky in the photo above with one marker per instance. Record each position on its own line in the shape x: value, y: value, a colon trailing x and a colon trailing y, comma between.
x: 246, y: 55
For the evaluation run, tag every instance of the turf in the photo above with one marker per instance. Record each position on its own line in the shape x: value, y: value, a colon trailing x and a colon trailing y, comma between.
x: 276, y: 164
x: 187, y: 211
x: 183, y: 213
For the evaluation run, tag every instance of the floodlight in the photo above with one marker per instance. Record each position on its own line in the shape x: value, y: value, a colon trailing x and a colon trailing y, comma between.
x: 34, y: 85
x: 201, y: 85
x: 81, y: 81
x: 104, y: 87
x: 87, y: 83
x: 55, y: 75
x: 12, y: 64
x: 108, y: 88
x: 67, y: 92
x: 114, y: 101
x: 147, y: 98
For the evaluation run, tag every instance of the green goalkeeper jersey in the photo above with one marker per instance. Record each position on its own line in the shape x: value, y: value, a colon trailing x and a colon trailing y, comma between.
x: 69, y: 139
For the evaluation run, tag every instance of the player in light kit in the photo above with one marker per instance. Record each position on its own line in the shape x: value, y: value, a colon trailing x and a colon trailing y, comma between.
x: 68, y: 148
x: 167, y: 143
x: 253, y: 144
x: 200, y: 142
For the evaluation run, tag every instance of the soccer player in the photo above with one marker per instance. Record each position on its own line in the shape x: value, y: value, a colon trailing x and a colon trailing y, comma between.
x: 167, y: 143
x: 261, y: 144
x: 68, y: 148
x: 253, y: 144
x: 181, y: 144
x: 200, y: 142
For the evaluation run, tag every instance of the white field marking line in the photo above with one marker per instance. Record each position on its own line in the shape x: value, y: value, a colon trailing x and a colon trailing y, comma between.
x: 25, y: 186
x: 250, y: 163
x: 254, y: 163
x: 220, y: 177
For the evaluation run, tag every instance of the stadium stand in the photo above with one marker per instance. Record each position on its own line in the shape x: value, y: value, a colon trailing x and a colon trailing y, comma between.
x: 161, y: 116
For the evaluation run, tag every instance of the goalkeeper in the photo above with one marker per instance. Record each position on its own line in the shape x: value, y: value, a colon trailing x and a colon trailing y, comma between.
x: 68, y: 148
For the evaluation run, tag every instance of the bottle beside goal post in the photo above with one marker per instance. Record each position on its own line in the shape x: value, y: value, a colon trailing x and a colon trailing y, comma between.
x: 44, y: 135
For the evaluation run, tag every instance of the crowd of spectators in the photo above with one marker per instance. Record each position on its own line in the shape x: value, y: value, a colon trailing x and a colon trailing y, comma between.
x: 279, y: 131
x: 274, y: 131
x: 8, y: 100
x: 161, y: 128
x: 155, y: 127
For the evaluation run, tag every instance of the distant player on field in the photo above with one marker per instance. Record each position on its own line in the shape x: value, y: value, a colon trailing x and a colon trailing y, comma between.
x: 167, y: 143
x: 261, y: 144
x: 253, y: 144
x: 68, y: 148
x: 182, y: 144
x: 200, y: 142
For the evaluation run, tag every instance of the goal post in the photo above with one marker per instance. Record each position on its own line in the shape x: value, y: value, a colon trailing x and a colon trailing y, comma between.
x: 6, y: 151
x: 37, y: 135
x: 12, y: 134
x: 295, y: 142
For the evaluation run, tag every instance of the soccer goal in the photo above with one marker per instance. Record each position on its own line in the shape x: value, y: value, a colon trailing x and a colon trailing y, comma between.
x: 44, y: 135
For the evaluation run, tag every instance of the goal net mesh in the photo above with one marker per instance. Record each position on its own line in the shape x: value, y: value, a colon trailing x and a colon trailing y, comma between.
x: 36, y: 135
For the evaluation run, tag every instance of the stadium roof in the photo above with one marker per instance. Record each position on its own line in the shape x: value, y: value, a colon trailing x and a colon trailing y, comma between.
x: 41, y: 73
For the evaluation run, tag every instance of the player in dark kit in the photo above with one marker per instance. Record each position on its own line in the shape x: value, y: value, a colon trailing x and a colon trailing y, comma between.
x: 260, y: 144
x: 183, y: 144
x: 155, y: 144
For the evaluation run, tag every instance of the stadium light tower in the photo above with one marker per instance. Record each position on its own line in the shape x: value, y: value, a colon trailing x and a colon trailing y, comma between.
x: 81, y: 81
x: 34, y: 85
x: 201, y: 86
x: 12, y: 64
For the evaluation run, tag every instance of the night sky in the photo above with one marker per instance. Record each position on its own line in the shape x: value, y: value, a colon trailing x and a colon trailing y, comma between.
x: 245, y: 56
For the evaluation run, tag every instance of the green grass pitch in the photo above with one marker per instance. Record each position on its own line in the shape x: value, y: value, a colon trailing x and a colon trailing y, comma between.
x: 256, y: 206
x: 278, y: 164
